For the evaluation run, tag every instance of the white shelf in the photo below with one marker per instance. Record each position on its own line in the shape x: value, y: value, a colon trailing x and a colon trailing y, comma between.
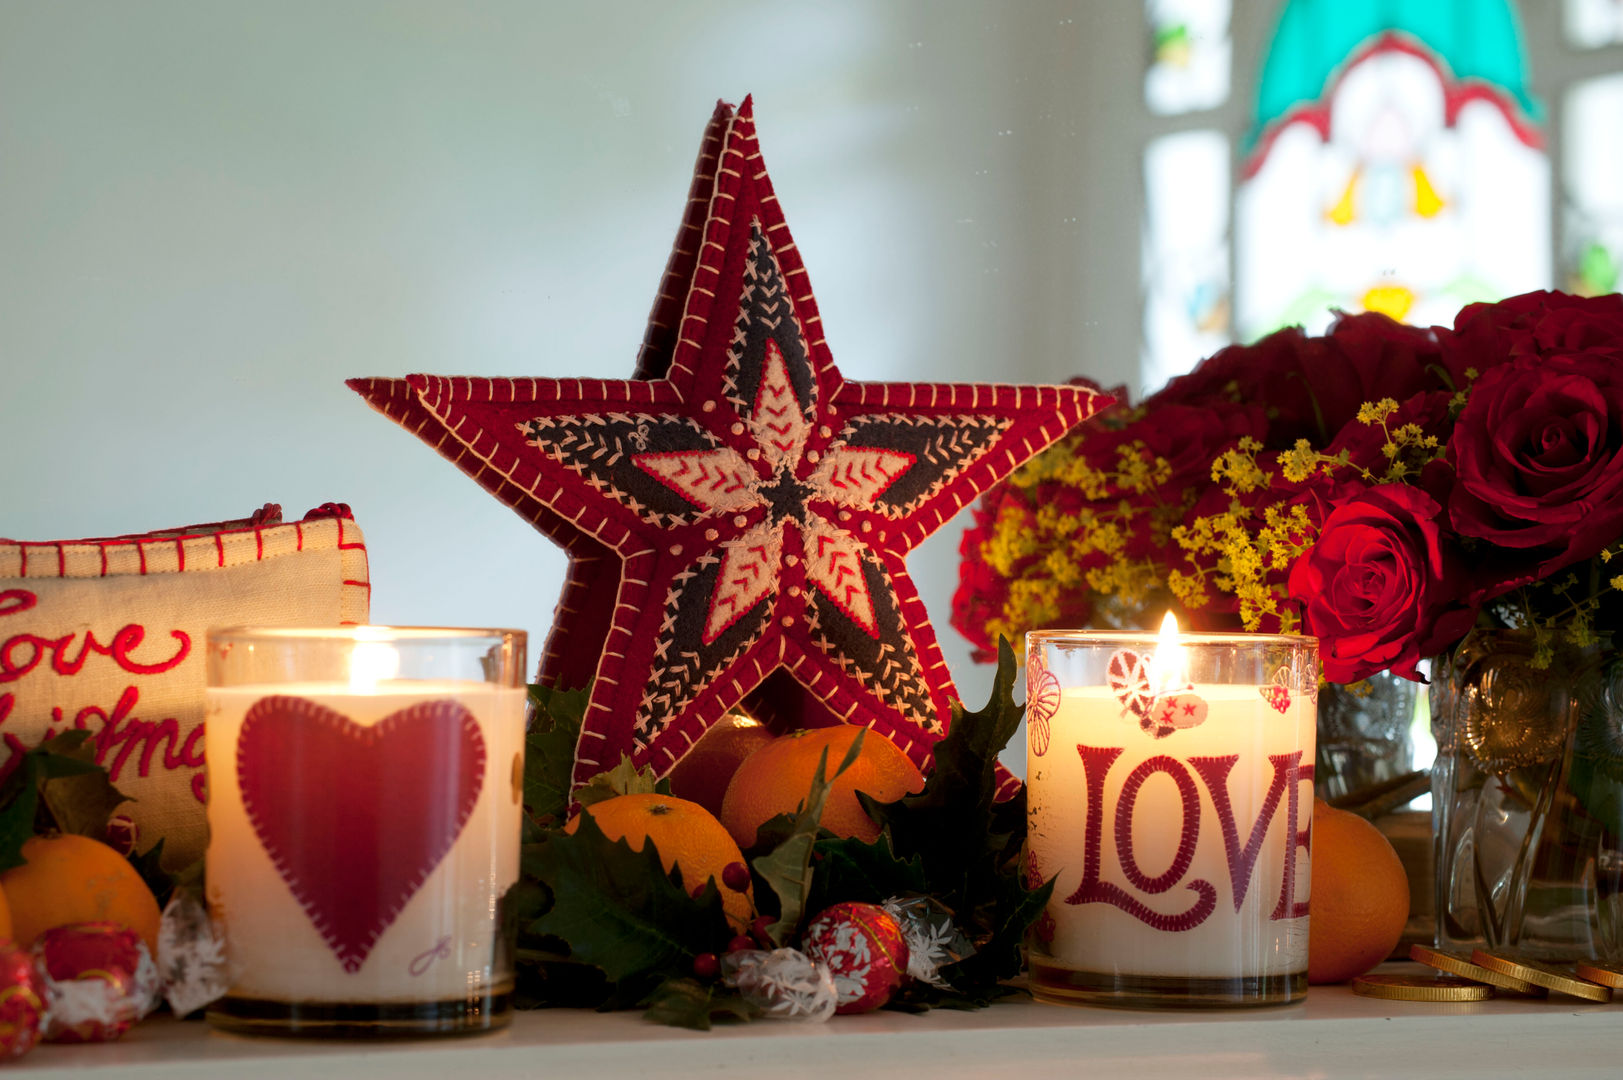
x: 1333, y: 1034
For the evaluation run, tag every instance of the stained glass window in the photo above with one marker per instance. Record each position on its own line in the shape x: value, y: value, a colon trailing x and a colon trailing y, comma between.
x: 1594, y: 23
x: 1592, y: 250
x: 1185, y: 257
x: 1397, y: 165
x: 1189, y: 65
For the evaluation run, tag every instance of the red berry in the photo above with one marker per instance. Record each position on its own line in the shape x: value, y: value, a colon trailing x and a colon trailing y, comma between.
x: 706, y: 966
x: 741, y: 943
x: 761, y: 929
x: 736, y: 876
x: 697, y: 892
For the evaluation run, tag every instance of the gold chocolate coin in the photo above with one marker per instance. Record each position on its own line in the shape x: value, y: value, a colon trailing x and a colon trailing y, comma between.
x: 1609, y: 974
x: 1421, y: 988
x: 1454, y: 963
x: 1539, y: 974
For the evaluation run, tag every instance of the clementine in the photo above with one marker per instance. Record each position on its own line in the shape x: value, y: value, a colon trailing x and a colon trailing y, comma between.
x: 1360, y: 897
x: 776, y: 779
x: 73, y: 879
x: 687, y: 837
x: 707, y: 768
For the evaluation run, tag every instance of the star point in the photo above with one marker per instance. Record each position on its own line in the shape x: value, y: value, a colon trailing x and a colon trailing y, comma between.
x: 749, y: 508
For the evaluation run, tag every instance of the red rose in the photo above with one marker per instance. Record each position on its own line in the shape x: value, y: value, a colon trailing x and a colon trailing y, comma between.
x: 1311, y: 387
x: 1382, y: 587
x: 1538, y: 451
x: 1190, y: 438
x: 1536, y: 323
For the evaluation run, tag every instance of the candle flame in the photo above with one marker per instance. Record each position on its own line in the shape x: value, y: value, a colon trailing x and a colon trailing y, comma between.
x: 370, y: 663
x: 1168, y: 667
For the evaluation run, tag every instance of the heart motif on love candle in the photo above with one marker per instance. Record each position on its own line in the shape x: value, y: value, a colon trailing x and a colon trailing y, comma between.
x: 1278, y: 692
x: 355, y: 817
x: 1158, y: 714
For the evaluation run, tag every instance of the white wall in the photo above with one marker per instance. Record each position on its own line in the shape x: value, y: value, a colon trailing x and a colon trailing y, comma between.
x: 212, y: 213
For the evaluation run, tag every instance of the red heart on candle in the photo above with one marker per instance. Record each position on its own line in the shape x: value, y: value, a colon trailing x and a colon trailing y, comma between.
x: 356, y: 817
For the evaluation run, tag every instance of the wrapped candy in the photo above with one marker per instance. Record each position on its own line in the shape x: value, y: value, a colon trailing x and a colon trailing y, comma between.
x: 122, y: 834
x: 863, y: 946
x: 191, y: 955
x: 933, y: 941
x: 22, y: 1001
x: 783, y: 983
x: 99, y: 980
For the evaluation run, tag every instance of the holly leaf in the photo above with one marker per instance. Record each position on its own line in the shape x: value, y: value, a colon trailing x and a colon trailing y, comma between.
x: 786, y: 869
x: 969, y: 845
x: 851, y: 869
x: 955, y: 826
x: 19, y: 801
x: 618, y: 910
x: 688, y: 1003
x: 976, y: 977
x: 624, y: 779
x: 549, y: 751
x: 69, y: 756
x: 79, y: 796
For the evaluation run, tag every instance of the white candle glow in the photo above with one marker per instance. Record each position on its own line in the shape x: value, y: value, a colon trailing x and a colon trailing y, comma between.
x: 1174, y: 817
x: 363, y: 831
x: 446, y: 929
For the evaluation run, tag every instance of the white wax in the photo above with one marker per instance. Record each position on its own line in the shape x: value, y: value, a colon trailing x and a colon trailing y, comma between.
x: 277, y: 954
x: 1102, y: 936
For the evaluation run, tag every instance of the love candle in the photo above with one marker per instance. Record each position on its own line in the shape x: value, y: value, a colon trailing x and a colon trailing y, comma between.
x: 364, y: 791
x: 1170, y: 794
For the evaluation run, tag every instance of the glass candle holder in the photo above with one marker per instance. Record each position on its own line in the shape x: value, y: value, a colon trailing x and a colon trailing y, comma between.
x: 1170, y: 794
x: 364, y: 803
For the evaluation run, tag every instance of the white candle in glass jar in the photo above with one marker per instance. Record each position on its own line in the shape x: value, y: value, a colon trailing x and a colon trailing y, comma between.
x: 447, y: 931
x: 1195, y: 873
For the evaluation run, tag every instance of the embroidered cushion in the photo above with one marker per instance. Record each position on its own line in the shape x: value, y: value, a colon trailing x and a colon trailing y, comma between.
x: 108, y: 635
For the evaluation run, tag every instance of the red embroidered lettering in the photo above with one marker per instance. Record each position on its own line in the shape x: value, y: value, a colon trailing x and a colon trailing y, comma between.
x: 1215, y: 772
x: 1096, y: 762
x: 191, y: 756
x: 1289, y: 907
x: 1188, y: 835
x: 22, y: 653
x: 15, y: 600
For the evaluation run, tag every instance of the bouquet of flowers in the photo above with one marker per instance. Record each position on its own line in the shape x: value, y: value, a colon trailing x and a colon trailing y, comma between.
x: 1381, y: 486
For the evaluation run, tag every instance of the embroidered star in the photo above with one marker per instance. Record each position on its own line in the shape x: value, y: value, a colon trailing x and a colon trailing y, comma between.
x: 747, y: 508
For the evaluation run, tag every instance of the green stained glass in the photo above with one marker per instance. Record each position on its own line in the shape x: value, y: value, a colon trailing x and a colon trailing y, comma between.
x: 1474, y: 39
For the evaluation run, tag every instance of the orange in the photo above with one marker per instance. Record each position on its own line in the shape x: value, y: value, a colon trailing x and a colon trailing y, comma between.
x: 5, y: 918
x: 687, y: 837
x: 777, y: 778
x: 1360, y: 898
x: 73, y: 879
x: 706, y: 769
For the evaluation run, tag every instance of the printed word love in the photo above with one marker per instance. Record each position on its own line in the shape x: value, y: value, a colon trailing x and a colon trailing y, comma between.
x: 1240, y: 858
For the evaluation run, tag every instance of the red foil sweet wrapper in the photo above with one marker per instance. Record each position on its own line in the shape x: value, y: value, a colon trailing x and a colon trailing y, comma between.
x: 22, y: 1001
x: 864, y: 948
x: 99, y: 980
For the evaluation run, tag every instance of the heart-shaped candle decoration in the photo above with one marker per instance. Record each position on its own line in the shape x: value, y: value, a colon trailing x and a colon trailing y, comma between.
x: 1159, y: 714
x: 356, y: 817
x: 1128, y: 675
x: 1278, y: 693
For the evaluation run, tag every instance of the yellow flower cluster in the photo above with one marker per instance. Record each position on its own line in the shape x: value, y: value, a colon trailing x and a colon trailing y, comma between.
x: 1051, y: 552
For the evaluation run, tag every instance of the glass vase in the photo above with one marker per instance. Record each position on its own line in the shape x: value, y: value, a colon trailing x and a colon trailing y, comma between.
x: 1528, y: 798
x: 1364, y: 742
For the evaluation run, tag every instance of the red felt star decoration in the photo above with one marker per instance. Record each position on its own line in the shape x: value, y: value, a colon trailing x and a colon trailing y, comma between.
x: 737, y: 514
